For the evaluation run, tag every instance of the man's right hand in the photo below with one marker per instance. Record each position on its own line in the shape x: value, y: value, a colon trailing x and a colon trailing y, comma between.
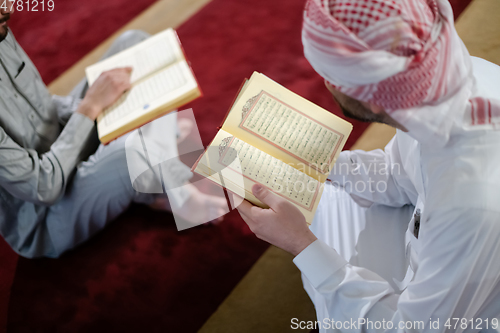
x: 282, y: 224
x: 105, y: 91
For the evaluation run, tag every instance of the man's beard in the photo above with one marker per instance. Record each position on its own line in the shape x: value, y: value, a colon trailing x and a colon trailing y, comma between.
x: 5, y: 29
x: 368, y: 117
x: 355, y: 110
x: 3, y: 33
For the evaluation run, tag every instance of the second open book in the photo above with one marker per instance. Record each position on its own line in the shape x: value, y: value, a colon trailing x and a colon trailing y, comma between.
x: 162, y: 81
x: 279, y: 140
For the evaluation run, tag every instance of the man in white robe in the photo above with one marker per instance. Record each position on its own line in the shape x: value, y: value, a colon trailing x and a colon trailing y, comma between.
x: 415, y: 246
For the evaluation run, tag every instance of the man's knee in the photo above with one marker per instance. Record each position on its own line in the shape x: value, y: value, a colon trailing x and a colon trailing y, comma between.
x: 132, y: 37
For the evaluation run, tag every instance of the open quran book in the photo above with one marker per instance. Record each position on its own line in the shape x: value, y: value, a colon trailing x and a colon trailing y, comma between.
x: 162, y: 81
x: 279, y: 140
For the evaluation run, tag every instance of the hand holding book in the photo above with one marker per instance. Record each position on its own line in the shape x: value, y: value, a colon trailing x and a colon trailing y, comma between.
x: 105, y: 91
x: 282, y: 224
x: 161, y: 81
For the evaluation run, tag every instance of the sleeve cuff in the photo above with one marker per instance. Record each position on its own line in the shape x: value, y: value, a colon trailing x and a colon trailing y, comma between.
x: 342, y: 163
x: 318, y: 262
x: 65, y: 107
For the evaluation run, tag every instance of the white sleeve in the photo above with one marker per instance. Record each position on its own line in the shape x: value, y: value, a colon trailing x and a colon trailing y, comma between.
x: 458, y: 277
x: 375, y: 176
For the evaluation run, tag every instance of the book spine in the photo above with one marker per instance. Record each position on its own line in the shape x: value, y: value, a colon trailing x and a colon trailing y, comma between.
x: 199, y: 158
x: 189, y: 63
x: 232, y: 103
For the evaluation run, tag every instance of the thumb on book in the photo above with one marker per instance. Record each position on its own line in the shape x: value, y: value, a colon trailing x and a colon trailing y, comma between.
x: 129, y: 69
x: 265, y: 196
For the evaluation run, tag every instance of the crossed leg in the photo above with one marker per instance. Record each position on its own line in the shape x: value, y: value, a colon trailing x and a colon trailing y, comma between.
x: 373, y: 238
x: 101, y: 188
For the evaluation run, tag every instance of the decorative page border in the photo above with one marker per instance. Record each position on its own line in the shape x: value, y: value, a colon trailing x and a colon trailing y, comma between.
x: 249, y: 107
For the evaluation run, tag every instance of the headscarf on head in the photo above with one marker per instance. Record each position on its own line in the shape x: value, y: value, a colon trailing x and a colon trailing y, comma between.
x: 402, y: 55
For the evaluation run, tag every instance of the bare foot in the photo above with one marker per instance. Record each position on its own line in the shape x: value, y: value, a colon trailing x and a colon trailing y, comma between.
x: 198, y: 208
x: 185, y: 127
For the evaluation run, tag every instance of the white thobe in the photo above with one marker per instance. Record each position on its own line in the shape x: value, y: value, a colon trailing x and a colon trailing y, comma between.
x: 454, y: 264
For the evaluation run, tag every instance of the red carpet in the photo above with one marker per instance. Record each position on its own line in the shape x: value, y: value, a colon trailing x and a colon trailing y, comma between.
x: 140, y: 274
x: 58, y: 39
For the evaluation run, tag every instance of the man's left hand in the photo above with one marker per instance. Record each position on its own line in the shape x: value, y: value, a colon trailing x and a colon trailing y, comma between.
x: 282, y: 224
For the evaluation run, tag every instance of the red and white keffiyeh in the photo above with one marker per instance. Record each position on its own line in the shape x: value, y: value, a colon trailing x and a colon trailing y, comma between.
x: 402, y: 55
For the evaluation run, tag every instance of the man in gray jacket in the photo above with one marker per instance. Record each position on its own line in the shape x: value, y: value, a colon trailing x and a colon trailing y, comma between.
x: 56, y: 190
